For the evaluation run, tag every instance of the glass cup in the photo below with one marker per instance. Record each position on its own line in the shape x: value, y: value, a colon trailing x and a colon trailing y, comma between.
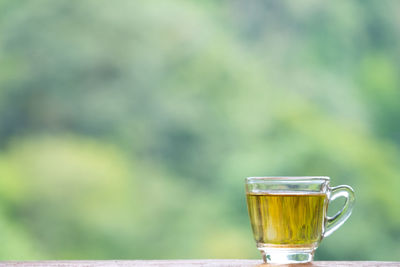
x: 289, y: 217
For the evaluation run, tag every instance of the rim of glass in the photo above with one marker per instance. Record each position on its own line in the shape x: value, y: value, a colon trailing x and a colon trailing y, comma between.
x: 290, y: 178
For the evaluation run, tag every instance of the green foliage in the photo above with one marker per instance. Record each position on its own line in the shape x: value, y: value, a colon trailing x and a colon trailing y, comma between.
x: 127, y: 128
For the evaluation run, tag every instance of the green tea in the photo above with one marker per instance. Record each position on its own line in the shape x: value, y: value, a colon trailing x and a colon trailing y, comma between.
x: 287, y: 219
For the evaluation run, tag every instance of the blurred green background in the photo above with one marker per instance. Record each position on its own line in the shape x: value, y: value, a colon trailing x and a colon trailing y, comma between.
x: 127, y: 127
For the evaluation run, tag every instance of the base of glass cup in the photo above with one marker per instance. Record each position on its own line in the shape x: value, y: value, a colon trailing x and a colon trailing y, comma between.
x: 286, y: 255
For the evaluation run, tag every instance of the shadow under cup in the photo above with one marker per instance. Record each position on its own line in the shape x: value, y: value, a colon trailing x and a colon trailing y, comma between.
x: 288, y: 215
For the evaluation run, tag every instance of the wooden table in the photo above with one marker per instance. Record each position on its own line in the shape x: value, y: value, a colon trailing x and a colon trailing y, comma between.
x: 189, y: 263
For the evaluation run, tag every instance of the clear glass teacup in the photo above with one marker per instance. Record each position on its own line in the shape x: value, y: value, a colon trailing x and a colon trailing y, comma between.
x: 289, y: 217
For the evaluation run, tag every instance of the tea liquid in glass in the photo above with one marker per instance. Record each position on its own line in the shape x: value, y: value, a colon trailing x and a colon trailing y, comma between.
x: 280, y: 219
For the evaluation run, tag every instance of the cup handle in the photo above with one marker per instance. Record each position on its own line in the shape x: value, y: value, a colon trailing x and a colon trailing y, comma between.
x: 334, y: 222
